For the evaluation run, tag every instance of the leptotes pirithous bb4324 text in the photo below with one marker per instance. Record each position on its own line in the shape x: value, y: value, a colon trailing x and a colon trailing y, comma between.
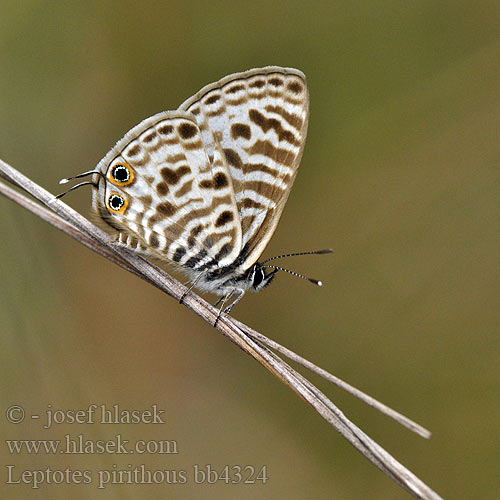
x: 203, y: 187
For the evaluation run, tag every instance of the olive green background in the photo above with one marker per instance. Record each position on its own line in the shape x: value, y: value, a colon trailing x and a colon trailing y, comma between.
x: 400, y: 176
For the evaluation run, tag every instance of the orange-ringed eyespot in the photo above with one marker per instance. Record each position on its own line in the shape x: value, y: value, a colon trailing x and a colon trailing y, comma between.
x: 117, y: 203
x: 121, y: 174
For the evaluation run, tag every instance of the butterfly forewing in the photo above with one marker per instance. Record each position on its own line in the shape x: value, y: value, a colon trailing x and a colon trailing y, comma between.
x: 180, y: 204
x: 259, y: 119
x: 204, y: 186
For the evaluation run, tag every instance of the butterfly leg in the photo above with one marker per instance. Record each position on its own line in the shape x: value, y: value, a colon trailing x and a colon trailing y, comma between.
x: 193, y: 284
x: 217, y: 302
x: 240, y: 293
x: 224, y: 299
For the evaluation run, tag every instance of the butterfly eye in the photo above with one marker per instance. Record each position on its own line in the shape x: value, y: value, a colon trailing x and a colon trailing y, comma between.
x: 121, y: 174
x: 117, y: 203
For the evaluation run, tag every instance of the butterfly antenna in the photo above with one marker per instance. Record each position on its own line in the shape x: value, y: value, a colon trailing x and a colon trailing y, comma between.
x: 313, y: 252
x: 298, y: 275
x: 75, y: 187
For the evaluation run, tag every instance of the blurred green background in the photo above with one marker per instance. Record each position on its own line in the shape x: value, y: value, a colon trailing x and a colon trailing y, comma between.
x: 400, y: 176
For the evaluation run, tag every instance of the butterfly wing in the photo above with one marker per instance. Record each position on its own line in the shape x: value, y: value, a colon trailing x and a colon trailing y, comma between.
x: 259, y: 118
x: 177, y: 204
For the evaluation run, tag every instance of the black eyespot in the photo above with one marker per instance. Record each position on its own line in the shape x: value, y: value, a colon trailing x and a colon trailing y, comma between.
x: 120, y: 173
x: 116, y: 202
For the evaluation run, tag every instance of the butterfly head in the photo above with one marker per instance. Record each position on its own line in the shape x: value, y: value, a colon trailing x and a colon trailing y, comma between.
x: 258, y: 278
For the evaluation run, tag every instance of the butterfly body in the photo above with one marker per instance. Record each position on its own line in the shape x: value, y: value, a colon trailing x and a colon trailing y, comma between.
x: 203, y: 187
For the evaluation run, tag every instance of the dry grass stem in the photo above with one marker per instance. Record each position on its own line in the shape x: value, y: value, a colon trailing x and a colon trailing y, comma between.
x: 253, y: 343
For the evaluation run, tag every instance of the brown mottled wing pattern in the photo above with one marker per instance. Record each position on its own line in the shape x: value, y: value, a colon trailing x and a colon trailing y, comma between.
x: 180, y: 206
x: 259, y: 119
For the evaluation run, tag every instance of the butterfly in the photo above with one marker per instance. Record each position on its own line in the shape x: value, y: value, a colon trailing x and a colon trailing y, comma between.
x: 203, y: 187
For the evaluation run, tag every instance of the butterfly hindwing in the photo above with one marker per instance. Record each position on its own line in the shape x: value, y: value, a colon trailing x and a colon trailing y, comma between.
x: 259, y: 119
x: 179, y: 204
